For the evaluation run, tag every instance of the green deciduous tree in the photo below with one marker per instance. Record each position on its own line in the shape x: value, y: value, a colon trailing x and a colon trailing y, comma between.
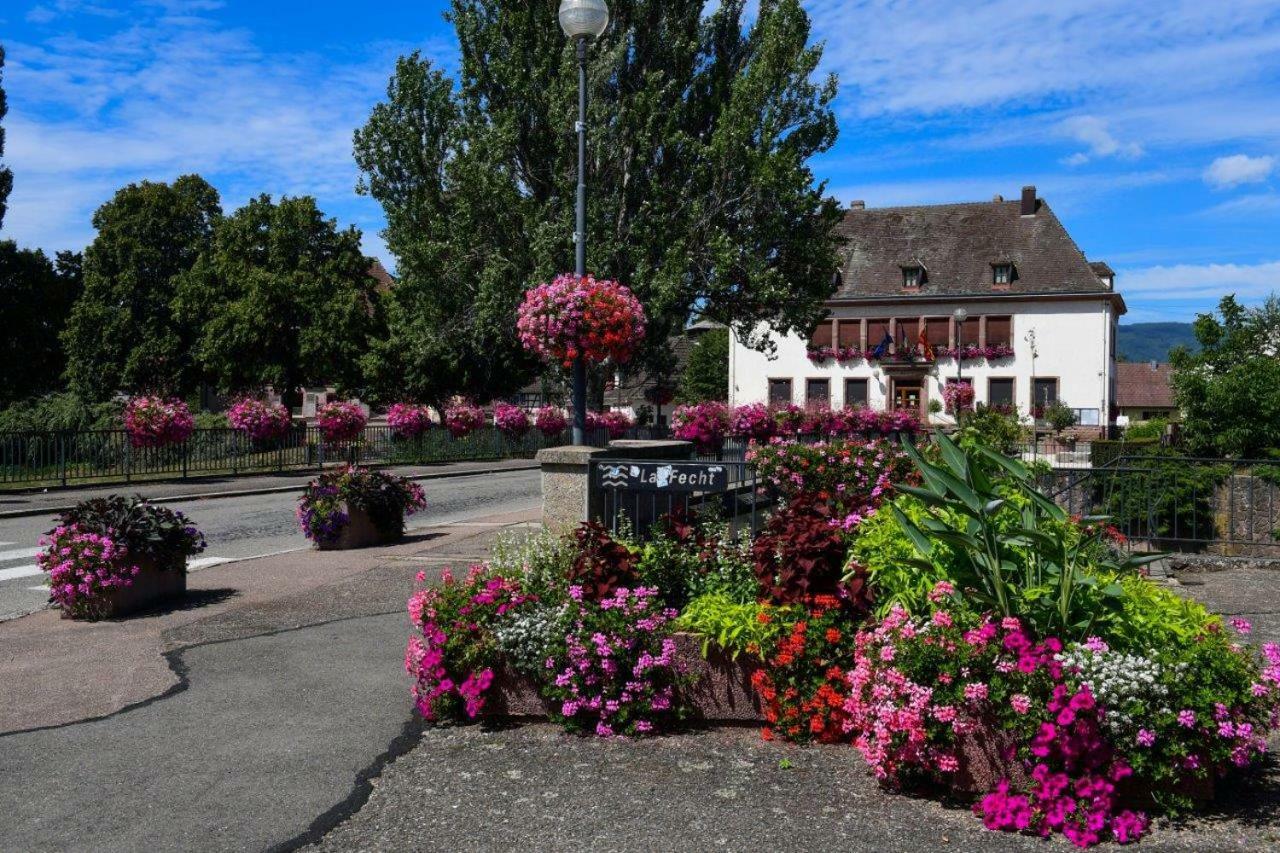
x: 1229, y: 392
x: 36, y: 295
x: 123, y: 334
x: 6, y: 174
x: 282, y: 298
x: 700, y: 195
x: 706, y: 374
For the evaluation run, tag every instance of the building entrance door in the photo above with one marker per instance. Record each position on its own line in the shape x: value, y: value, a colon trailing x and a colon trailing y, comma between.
x: 907, y: 396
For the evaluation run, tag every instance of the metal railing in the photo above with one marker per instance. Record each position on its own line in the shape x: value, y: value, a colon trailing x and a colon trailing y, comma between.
x: 1179, y: 503
x: 34, y: 459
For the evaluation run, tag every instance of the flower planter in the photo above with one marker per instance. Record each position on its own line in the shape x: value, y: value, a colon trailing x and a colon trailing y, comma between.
x: 152, y: 585
x: 718, y: 689
x: 360, y: 532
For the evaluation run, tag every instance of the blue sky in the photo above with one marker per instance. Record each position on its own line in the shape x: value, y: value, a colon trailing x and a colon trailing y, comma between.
x: 1152, y: 128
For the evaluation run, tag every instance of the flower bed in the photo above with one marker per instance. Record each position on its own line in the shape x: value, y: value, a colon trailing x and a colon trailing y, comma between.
x: 341, y: 422
x: 156, y: 422
x: 963, y: 636
x: 113, y: 556
x: 356, y: 507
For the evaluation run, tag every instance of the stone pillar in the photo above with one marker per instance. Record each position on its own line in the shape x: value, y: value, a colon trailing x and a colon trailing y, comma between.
x: 567, y: 496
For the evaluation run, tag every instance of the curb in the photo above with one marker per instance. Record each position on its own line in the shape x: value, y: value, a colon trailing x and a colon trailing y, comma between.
x: 272, y: 490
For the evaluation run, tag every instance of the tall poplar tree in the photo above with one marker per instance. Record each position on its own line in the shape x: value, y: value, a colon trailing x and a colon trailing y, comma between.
x: 6, y: 174
x: 700, y: 193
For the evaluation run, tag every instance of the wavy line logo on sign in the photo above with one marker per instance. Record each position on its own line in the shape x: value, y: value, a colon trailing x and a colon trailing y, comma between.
x: 664, y: 477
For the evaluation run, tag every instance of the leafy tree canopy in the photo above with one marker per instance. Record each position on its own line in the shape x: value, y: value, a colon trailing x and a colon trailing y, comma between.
x: 700, y: 195
x: 123, y: 334
x: 282, y: 297
x: 706, y: 375
x: 36, y: 295
x: 1229, y: 392
x: 6, y: 174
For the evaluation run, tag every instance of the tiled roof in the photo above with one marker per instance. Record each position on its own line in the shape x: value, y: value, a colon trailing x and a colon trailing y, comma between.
x: 958, y: 244
x: 1144, y: 385
x: 379, y: 273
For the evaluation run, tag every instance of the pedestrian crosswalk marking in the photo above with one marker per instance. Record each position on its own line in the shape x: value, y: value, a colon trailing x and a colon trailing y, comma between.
x: 20, y: 554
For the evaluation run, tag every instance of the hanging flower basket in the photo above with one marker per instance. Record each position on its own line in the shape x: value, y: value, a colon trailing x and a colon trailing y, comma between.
x: 339, y: 422
x: 155, y: 422
x: 409, y: 420
x: 571, y: 317
x: 260, y: 420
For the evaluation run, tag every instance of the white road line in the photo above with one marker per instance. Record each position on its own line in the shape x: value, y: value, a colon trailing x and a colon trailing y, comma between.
x: 2, y: 544
x: 20, y: 554
x: 20, y: 572
x: 205, y: 562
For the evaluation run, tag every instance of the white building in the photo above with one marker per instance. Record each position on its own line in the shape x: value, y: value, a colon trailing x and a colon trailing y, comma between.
x: 1044, y: 314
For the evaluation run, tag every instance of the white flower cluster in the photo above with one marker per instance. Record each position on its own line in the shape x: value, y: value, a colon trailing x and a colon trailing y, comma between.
x: 526, y: 636
x: 1129, y: 688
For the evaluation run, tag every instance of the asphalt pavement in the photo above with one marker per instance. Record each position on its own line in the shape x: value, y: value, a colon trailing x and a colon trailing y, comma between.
x: 243, y: 526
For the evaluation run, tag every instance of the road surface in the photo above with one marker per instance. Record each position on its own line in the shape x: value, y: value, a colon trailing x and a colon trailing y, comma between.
x: 240, y: 527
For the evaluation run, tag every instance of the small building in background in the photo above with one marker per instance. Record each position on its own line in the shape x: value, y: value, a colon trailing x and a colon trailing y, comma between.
x: 1144, y: 391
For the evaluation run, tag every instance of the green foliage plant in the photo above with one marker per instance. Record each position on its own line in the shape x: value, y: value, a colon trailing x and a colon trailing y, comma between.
x: 1015, y: 552
x: 752, y: 627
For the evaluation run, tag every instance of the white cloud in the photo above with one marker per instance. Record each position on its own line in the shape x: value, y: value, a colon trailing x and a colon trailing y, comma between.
x: 1227, y: 172
x: 1249, y: 282
x: 167, y: 92
x: 1092, y: 131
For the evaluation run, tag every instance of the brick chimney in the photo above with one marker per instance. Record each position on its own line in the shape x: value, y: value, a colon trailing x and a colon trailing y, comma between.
x: 1028, y: 201
x: 858, y: 205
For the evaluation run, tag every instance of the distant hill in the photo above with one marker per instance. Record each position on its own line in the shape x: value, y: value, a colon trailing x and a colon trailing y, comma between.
x: 1152, y: 341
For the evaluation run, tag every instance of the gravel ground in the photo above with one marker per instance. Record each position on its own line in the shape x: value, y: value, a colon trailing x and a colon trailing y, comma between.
x: 531, y: 787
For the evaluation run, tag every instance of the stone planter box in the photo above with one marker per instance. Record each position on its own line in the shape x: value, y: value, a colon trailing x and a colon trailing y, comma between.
x: 719, y: 689
x: 150, y: 587
x: 360, y: 532
x: 988, y: 755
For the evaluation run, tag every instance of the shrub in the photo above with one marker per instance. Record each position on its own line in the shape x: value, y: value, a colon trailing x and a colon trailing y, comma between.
x: 453, y: 652
x: 1159, y: 495
x: 615, y: 671
x: 882, y: 550
x: 511, y: 421
x: 1152, y: 430
x: 409, y: 420
x: 602, y: 565
x: 1059, y: 416
x: 387, y: 499
x: 154, y: 422
x: 690, y: 555
x: 550, y: 421
x: 705, y: 424
x: 146, y: 531
x: 59, y: 412
x: 341, y: 421
x: 260, y: 420
x: 800, y: 554
x: 462, y: 419
x: 994, y: 427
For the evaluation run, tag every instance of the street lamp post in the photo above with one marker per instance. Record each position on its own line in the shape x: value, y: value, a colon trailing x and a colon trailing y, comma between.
x: 961, y: 315
x: 582, y: 20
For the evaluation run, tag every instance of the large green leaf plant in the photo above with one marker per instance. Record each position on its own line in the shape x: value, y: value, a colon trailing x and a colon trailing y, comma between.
x: 1008, y: 548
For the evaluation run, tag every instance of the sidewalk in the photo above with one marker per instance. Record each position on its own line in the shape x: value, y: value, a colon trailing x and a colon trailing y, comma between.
x: 52, y: 501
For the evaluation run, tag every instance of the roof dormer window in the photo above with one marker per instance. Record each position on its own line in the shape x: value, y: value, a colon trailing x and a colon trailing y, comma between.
x: 1002, y: 274
x: 912, y: 277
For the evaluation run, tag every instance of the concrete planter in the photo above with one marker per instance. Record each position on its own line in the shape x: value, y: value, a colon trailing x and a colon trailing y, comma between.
x: 361, y: 532
x: 719, y: 689
x: 151, y: 586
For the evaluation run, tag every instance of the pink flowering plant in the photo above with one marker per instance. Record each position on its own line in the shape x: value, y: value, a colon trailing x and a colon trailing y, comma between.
x: 613, y: 422
x: 409, y: 420
x: 615, y: 673
x: 341, y: 421
x: 453, y: 652
x: 260, y: 420
x: 83, y: 566
x: 706, y: 424
x: 572, y: 317
x: 463, y: 418
x: 958, y: 397
x: 753, y: 422
x: 511, y: 421
x: 156, y: 422
x: 853, y: 476
x: 324, y: 510
x: 550, y: 421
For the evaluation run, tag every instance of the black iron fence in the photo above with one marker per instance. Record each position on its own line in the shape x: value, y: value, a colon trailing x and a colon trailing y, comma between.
x: 1169, y: 502
x: 33, y: 459
x: 633, y: 494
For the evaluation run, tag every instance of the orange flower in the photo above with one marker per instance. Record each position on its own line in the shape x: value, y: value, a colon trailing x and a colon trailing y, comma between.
x: 833, y: 636
x: 763, y: 618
